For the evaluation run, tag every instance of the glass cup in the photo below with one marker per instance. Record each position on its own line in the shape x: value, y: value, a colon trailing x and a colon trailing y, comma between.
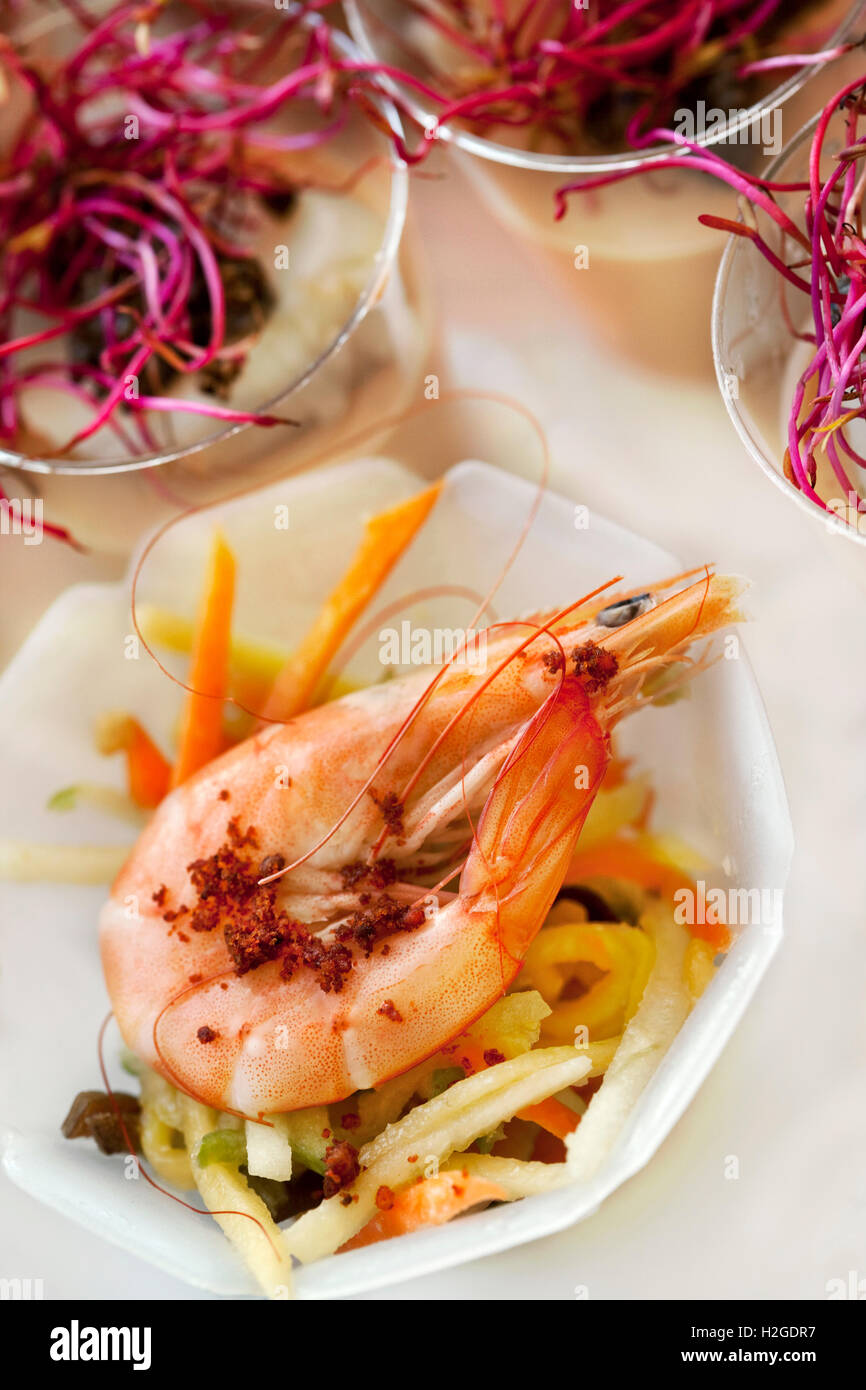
x: 364, y: 358
x: 758, y: 361
x: 639, y: 264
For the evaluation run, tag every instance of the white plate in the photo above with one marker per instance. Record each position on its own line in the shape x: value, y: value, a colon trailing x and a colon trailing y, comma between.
x: 711, y: 759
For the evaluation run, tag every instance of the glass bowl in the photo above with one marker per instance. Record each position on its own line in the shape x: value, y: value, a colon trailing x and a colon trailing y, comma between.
x: 639, y: 265
x: 364, y: 355
x: 758, y: 361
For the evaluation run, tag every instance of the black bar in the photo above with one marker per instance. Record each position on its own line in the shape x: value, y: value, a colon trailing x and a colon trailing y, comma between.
x: 60, y: 1337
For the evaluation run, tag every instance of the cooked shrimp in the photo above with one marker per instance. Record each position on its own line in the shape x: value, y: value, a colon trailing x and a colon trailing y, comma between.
x: 281, y: 937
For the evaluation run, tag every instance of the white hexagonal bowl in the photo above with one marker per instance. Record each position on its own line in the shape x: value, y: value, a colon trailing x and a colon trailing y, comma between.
x: 711, y: 758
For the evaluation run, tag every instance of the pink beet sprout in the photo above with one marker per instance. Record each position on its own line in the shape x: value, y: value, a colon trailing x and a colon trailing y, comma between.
x: 822, y: 254
x: 128, y: 193
x: 586, y: 78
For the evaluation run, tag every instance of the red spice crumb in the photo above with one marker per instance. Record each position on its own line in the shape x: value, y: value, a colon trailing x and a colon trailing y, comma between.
x: 492, y: 1056
x: 341, y: 1167
x: 392, y: 811
x: 458, y: 1191
x: 413, y: 1158
x: 351, y: 874
x: 326, y: 1134
x: 256, y: 929
x: 346, y: 1199
x: 240, y: 838
x: 223, y: 984
x: 466, y: 1065
x: 384, y: 1198
x: 194, y: 979
x: 390, y: 1010
x: 595, y: 666
x: 384, y: 918
x: 554, y: 661
x: 159, y: 895
x: 206, y: 1034
x: 379, y: 875
x: 355, y: 1197
x: 182, y: 936
x: 224, y: 794
x: 350, y: 1121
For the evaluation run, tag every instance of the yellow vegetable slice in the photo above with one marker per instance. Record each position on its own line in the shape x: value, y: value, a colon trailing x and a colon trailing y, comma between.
x: 23, y: 862
x: 269, y: 1153
x: 613, y: 810
x: 698, y: 966
x: 622, y: 952
x: 162, y: 1119
x: 517, y: 1177
x: 512, y: 1024
x: 231, y: 1200
x: 660, y: 1015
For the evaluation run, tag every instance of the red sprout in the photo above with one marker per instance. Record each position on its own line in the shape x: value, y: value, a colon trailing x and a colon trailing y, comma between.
x: 587, y: 78
x: 825, y: 223
x: 110, y: 230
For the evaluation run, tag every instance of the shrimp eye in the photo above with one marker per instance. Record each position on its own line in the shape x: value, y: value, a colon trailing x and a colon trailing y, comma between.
x: 618, y: 614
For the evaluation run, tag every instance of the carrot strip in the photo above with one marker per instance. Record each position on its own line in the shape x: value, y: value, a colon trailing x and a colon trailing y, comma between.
x: 430, y: 1202
x: 202, y: 729
x: 148, y: 773
x: 551, y: 1115
x: 385, y: 538
x: 621, y: 858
